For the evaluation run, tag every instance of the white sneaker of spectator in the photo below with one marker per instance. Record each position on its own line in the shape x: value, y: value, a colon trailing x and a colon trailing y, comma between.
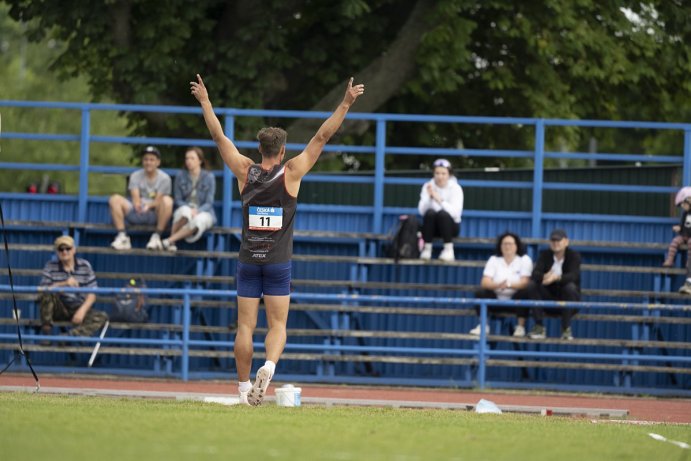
x: 121, y: 242
x: 426, y: 252
x: 447, y: 253
x: 519, y: 331
x: 168, y: 246
x: 476, y: 331
x: 154, y: 242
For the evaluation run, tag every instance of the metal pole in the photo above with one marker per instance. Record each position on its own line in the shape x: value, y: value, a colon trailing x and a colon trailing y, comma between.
x: 84, y: 165
x: 186, y: 319
x: 538, y: 176
x: 227, y: 210
x: 379, y: 164
x: 686, y: 167
x: 482, y: 344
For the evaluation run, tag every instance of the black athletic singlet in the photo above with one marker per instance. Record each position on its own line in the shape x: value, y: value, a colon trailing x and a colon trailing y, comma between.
x: 268, y: 212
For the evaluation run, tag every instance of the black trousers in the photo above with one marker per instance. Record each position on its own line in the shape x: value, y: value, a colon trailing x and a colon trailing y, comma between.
x: 490, y: 294
x: 553, y: 292
x: 439, y: 224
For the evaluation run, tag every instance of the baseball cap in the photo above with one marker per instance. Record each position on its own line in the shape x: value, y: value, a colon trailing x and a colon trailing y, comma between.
x: 558, y: 234
x: 64, y: 240
x: 151, y: 150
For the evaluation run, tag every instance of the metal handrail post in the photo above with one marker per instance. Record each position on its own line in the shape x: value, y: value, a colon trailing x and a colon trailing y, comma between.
x: 482, y: 345
x: 538, y: 177
x: 186, y: 320
x: 84, y: 164
x: 379, y: 165
x: 686, y: 167
x: 227, y: 208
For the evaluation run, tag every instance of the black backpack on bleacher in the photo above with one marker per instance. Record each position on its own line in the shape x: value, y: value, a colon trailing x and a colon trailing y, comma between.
x: 130, y: 304
x: 404, y: 243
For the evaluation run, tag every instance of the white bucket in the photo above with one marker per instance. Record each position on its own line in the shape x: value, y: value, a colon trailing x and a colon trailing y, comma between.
x: 288, y: 396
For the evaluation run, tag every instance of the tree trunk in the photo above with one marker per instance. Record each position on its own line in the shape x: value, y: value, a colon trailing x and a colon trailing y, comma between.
x: 382, y: 77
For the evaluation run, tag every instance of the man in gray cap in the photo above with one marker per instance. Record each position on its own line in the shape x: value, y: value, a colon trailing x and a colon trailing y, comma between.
x: 556, y: 277
x: 150, y: 204
x: 69, y: 271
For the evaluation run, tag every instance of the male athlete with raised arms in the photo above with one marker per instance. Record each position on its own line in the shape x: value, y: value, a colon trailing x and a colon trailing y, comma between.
x: 269, y: 193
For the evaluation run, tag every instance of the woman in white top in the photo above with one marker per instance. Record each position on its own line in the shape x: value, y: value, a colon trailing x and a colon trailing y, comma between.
x: 506, y: 273
x: 441, y: 206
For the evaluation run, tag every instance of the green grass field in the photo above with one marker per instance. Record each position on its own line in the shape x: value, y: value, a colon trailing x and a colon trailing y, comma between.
x: 50, y: 427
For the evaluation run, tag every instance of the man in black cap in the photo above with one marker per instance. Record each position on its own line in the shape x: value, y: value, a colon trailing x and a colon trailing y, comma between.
x: 151, y: 203
x: 556, y: 277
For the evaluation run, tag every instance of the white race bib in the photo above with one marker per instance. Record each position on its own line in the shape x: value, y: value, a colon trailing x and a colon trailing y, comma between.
x: 266, y: 218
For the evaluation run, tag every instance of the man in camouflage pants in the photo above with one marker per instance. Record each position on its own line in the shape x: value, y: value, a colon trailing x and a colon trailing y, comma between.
x: 69, y: 271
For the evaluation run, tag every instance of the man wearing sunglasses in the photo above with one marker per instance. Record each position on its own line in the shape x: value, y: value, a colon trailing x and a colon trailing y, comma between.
x: 69, y: 271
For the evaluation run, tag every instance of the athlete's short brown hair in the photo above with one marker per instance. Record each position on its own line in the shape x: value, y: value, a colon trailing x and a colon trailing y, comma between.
x: 271, y: 139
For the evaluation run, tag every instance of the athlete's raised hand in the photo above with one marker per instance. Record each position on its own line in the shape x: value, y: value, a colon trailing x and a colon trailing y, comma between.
x: 199, y: 90
x: 353, y: 92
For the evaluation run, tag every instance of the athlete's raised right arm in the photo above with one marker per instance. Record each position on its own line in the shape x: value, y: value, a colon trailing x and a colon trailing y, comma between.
x: 237, y: 162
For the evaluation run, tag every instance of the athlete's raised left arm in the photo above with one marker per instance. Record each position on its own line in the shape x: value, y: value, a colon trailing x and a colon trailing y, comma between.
x: 298, y: 166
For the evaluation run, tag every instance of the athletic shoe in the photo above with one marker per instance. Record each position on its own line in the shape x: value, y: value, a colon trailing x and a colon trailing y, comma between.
x: 243, y: 398
x: 261, y: 382
x: 566, y: 334
x: 476, y: 331
x: 168, y: 246
x: 154, y: 243
x: 447, y: 254
x: 426, y: 254
x: 685, y: 288
x: 121, y: 242
x: 538, y: 332
x: 519, y: 331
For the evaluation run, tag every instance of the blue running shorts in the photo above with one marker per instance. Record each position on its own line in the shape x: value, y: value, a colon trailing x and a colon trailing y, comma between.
x: 253, y: 280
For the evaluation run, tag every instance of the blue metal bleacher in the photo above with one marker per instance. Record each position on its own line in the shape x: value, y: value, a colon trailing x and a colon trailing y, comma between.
x: 374, y: 219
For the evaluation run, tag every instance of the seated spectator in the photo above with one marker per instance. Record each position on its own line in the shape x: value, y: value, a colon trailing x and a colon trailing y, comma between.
x: 683, y: 229
x: 69, y: 271
x: 556, y: 277
x: 506, y: 272
x: 683, y: 199
x: 441, y: 206
x: 194, y: 192
x: 151, y: 203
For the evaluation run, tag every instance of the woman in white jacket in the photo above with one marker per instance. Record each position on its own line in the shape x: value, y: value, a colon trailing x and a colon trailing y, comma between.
x: 441, y: 206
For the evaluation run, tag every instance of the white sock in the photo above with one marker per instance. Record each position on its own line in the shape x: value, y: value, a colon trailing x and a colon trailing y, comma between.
x: 122, y: 234
x: 271, y: 366
x: 448, y: 246
x: 688, y: 280
x: 428, y: 247
x: 244, y: 386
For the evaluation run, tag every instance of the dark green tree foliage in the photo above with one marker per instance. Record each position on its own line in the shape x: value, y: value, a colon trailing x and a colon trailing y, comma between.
x: 594, y: 59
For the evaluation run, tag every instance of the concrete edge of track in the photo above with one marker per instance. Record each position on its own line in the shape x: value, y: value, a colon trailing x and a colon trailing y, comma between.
x: 603, y: 413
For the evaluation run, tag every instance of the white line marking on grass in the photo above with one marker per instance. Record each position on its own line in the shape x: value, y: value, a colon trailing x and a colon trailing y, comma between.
x: 636, y: 422
x: 662, y: 438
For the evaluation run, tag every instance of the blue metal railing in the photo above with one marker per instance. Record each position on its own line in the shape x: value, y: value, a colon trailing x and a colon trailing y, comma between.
x: 380, y: 150
x: 482, y: 353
